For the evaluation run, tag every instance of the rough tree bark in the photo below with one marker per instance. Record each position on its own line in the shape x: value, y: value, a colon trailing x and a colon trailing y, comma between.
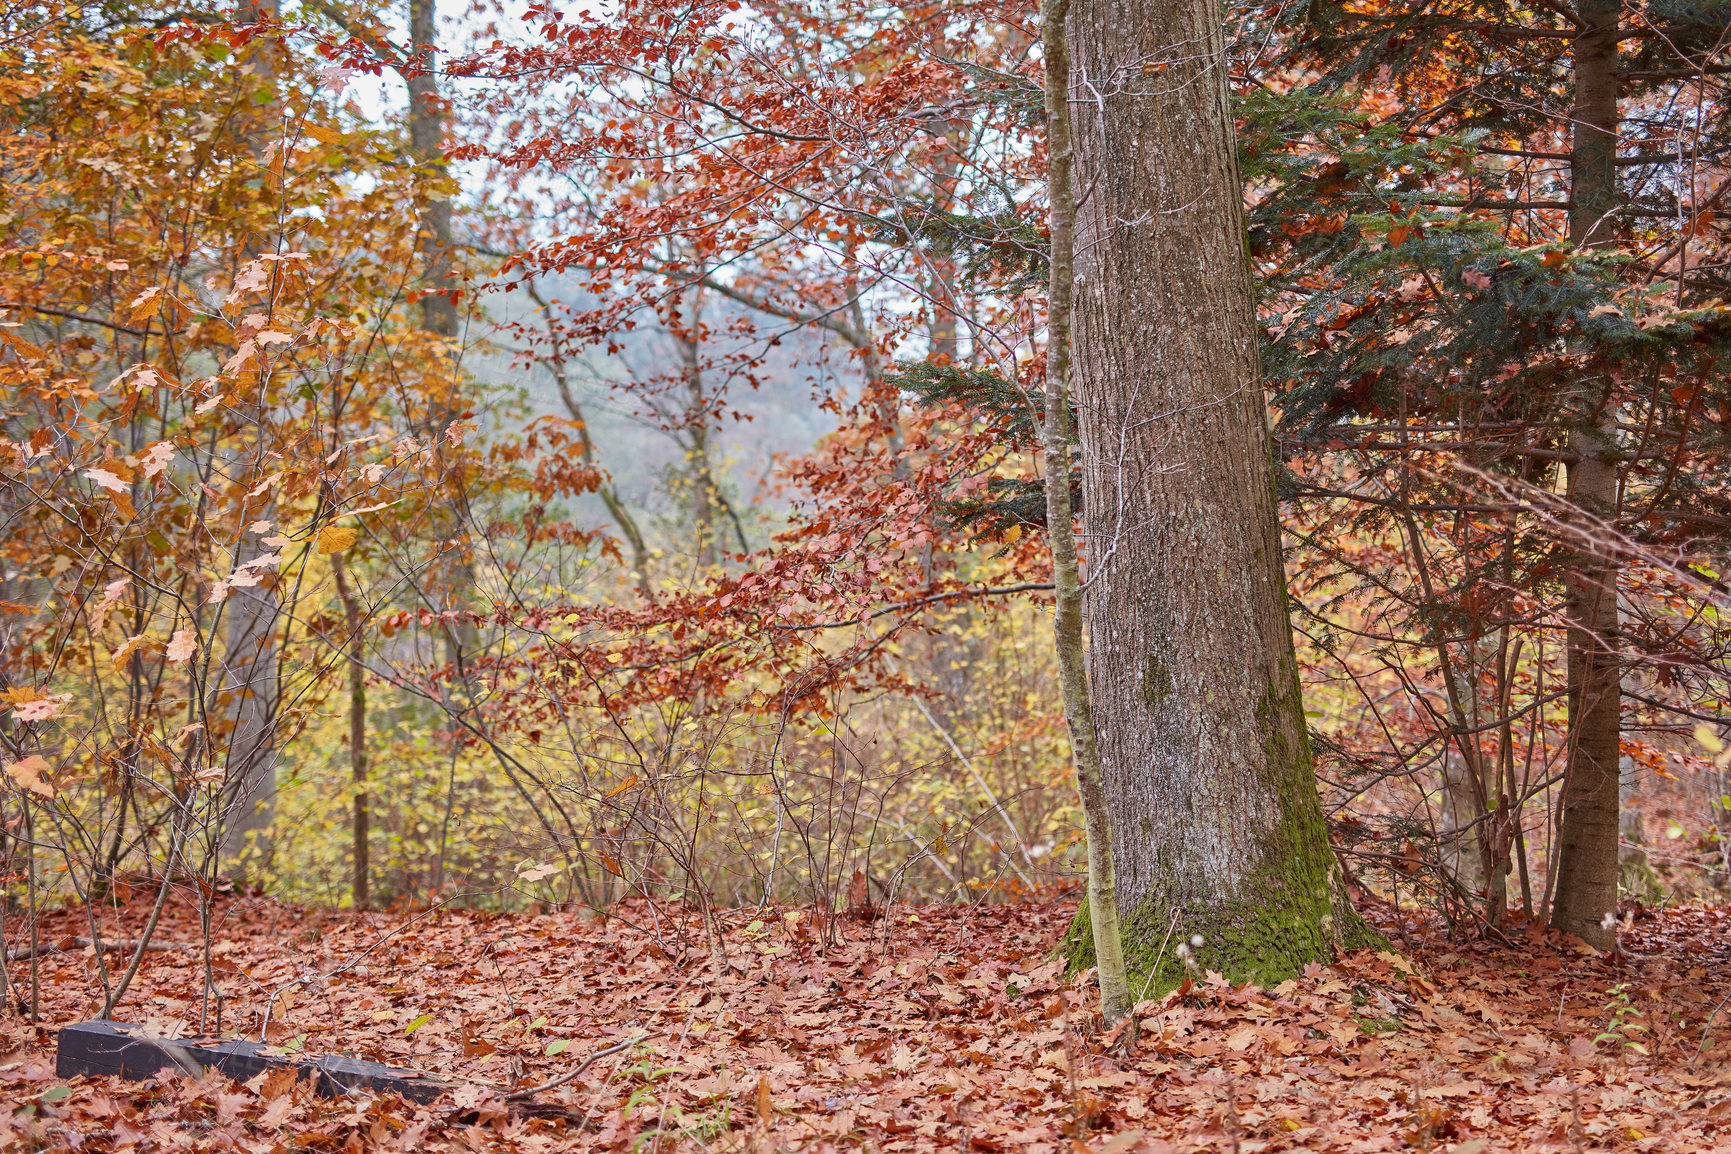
x: 1587, y: 867
x: 250, y: 674
x: 1105, y: 940
x: 1208, y: 774
x: 251, y: 682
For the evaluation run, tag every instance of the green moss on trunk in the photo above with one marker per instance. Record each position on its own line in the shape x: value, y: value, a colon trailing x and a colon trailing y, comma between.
x: 1284, y: 911
x: 1269, y: 932
x: 1287, y: 912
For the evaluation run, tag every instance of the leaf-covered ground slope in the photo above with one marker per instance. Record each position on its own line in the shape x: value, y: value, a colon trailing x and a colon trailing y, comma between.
x: 937, y: 1028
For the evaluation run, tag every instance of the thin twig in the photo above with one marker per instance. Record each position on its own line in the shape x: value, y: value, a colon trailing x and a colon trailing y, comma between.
x: 1158, y: 954
x: 519, y: 1095
x: 1705, y: 1030
x: 17, y: 952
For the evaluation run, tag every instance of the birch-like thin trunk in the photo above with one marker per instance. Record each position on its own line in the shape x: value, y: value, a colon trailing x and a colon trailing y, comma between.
x: 1060, y: 519
x: 687, y: 332
x: 556, y: 365
x: 353, y: 623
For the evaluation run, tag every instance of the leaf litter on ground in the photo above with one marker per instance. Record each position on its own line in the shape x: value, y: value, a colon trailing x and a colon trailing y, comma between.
x: 938, y: 1027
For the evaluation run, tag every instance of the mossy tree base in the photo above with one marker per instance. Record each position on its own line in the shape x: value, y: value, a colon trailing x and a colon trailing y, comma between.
x: 1246, y: 941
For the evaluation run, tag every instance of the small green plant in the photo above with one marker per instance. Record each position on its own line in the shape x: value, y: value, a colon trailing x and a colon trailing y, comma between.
x: 647, y: 1074
x: 1622, y: 1027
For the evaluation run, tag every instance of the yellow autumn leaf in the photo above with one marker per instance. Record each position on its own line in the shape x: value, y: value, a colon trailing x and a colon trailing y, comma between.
x: 335, y: 538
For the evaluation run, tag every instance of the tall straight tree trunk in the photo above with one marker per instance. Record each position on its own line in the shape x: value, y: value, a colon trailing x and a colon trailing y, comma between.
x: 353, y: 623
x: 1587, y: 867
x: 427, y: 146
x: 439, y: 312
x: 687, y: 332
x: 250, y: 677
x: 1208, y: 774
x: 1105, y: 935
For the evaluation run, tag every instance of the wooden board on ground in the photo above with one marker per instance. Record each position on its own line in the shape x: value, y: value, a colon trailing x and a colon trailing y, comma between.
x: 123, y: 1050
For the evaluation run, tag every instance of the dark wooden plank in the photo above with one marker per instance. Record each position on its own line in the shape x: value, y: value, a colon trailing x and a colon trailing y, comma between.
x: 121, y: 1050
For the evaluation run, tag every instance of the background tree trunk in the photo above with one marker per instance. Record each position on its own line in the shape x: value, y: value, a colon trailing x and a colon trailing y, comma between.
x: 1586, y: 865
x: 250, y: 677
x: 1202, y: 733
x: 556, y: 365
x: 354, y: 621
x: 427, y: 146
x: 686, y: 328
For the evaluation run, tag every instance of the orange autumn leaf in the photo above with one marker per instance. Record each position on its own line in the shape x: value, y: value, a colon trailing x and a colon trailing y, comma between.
x: 31, y: 773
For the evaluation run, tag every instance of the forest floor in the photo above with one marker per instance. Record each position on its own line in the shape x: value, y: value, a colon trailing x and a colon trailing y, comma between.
x: 941, y: 1027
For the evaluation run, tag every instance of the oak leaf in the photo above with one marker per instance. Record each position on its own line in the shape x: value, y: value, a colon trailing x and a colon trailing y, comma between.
x: 110, y: 595
x: 157, y: 457
x: 31, y: 704
x: 335, y: 538
x: 182, y: 645
x: 127, y: 648
x: 109, y: 480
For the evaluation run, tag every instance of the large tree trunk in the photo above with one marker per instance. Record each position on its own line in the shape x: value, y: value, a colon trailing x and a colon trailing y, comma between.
x: 1586, y: 890
x: 439, y: 317
x: 1203, y: 741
